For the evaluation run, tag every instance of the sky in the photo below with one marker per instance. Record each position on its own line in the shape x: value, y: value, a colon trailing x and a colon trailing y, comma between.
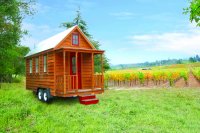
x: 130, y: 31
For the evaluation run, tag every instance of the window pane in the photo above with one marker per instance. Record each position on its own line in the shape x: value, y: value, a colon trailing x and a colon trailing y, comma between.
x: 75, y: 39
x: 45, y: 63
x: 74, y: 36
x: 74, y: 65
x: 36, y: 64
x: 30, y: 66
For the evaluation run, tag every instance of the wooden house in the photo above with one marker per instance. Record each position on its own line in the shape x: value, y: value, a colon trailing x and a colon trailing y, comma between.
x: 63, y: 65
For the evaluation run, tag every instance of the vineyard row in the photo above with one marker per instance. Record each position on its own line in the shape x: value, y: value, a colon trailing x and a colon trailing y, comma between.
x: 134, y: 78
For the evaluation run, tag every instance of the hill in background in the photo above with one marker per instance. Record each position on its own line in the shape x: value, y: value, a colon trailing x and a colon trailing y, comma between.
x: 157, y: 63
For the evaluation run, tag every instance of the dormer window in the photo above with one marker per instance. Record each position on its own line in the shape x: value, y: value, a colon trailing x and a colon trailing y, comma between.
x: 75, y: 39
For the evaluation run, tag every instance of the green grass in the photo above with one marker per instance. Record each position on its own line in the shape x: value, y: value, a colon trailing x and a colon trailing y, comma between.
x: 160, y: 110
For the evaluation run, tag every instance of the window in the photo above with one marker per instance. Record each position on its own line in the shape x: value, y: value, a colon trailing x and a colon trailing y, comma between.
x: 74, y: 65
x: 36, y: 64
x: 75, y: 40
x: 30, y: 66
x: 45, y: 63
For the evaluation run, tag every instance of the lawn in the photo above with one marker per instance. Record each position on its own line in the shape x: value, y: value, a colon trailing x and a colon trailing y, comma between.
x: 156, y: 110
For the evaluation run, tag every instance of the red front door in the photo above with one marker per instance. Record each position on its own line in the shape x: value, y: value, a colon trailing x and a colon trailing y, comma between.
x: 73, y: 69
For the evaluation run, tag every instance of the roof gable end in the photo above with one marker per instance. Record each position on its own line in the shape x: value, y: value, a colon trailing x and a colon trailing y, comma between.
x: 67, y: 39
x: 54, y: 41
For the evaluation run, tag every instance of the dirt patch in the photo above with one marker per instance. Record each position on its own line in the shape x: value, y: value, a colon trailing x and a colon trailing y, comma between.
x: 180, y: 83
x: 137, y: 84
x: 133, y: 88
x: 193, y: 82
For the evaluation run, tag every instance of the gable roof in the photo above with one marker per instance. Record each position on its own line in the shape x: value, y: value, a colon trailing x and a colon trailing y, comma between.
x: 53, y: 41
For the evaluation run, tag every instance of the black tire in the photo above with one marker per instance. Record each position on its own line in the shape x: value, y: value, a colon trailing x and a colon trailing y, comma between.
x: 47, y: 95
x: 40, y: 94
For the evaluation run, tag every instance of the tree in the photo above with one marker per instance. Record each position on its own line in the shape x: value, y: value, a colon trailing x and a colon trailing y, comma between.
x: 78, y: 21
x: 191, y: 59
x: 83, y: 26
x: 179, y: 61
x: 198, y: 58
x: 18, y: 61
x: 12, y: 13
x: 194, y: 11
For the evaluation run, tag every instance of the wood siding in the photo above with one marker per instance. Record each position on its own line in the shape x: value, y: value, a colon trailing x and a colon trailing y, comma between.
x: 86, y: 71
x: 59, y: 69
x: 41, y: 79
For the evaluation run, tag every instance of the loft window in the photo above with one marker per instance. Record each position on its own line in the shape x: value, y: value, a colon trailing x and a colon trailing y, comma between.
x: 75, y: 39
x: 30, y: 66
x: 45, y: 63
x: 36, y: 65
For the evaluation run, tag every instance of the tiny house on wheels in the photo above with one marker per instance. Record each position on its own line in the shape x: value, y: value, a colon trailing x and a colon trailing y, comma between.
x: 63, y: 66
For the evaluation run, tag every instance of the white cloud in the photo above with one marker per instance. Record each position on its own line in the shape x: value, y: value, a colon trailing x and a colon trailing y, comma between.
x: 165, y: 16
x: 181, y: 42
x: 29, y: 41
x: 40, y: 8
x: 74, y: 4
x: 40, y: 29
x: 37, y: 33
x: 81, y: 2
x: 123, y: 15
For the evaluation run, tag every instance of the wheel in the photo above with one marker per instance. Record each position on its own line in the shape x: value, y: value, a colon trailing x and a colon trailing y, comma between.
x: 46, y: 96
x: 40, y: 94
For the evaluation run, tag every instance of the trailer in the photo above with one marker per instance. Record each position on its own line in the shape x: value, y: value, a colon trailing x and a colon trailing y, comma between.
x: 63, y: 66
